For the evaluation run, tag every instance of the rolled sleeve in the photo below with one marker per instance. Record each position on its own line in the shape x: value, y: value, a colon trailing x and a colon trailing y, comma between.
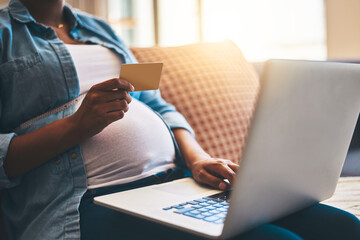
x: 176, y: 120
x: 5, y: 140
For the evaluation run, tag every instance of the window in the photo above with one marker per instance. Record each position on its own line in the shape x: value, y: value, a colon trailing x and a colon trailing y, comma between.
x: 263, y: 29
x: 178, y: 22
x: 133, y: 20
x: 268, y: 29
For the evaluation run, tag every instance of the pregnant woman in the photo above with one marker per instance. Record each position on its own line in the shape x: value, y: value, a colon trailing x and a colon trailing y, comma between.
x: 71, y: 130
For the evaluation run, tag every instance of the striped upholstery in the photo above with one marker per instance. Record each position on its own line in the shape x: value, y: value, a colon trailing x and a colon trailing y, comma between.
x: 214, y: 87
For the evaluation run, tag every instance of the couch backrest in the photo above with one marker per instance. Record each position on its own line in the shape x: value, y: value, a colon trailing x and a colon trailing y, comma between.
x: 214, y: 87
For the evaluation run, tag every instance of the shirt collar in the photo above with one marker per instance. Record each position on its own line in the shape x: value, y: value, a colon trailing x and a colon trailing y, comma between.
x: 72, y: 17
x: 19, y: 12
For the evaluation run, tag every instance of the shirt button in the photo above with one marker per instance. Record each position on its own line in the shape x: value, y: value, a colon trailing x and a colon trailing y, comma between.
x: 74, y: 155
x: 58, y: 161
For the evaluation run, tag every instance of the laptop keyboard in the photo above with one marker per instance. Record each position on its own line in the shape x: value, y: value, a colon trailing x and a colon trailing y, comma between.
x: 211, y: 209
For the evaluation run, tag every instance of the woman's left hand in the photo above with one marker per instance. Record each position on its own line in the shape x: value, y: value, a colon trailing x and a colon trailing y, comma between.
x: 213, y: 171
x: 205, y: 169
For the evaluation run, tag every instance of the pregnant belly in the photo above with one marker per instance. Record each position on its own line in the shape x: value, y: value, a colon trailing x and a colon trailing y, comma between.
x: 134, y: 147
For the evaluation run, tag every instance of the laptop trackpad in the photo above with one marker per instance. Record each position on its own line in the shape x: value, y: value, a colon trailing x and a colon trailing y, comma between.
x: 183, y: 188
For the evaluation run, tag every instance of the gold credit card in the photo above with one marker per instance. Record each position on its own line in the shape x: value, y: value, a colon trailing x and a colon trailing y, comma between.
x: 143, y: 76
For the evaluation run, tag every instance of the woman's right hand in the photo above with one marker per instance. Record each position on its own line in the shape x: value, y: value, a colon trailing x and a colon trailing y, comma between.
x: 104, y: 103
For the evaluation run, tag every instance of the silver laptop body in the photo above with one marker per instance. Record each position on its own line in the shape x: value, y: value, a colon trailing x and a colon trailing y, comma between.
x: 296, y: 146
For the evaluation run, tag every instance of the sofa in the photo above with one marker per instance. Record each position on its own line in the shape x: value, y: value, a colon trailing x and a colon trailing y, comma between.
x: 215, y: 88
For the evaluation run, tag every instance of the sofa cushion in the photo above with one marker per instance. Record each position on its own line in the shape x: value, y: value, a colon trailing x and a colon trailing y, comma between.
x: 214, y: 87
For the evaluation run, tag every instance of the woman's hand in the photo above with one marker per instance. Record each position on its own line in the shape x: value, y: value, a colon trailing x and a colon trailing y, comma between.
x: 104, y: 103
x: 213, y: 171
x: 205, y: 169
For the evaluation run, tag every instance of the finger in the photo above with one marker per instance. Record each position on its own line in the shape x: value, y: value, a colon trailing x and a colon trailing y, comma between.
x: 207, y: 178
x: 125, y: 85
x: 115, y: 106
x: 235, y: 167
x: 115, y: 83
x: 114, y: 116
x: 117, y: 95
x: 221, y: 169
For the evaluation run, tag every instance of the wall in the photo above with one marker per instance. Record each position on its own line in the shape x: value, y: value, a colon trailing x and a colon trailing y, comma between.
x: 343, y: 29
x: 96, y: 7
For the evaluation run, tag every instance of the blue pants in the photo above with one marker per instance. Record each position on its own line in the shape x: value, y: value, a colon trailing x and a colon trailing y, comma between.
x: 316, y: 222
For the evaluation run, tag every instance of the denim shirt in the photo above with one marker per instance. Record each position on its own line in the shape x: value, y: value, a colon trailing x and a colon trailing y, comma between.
x: 37, y: 75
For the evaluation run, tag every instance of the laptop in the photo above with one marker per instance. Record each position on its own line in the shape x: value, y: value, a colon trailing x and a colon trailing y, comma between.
x: 296, y: 145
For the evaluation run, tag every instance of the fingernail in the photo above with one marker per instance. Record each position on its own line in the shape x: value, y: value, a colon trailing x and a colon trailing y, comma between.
x: 222, y: 186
